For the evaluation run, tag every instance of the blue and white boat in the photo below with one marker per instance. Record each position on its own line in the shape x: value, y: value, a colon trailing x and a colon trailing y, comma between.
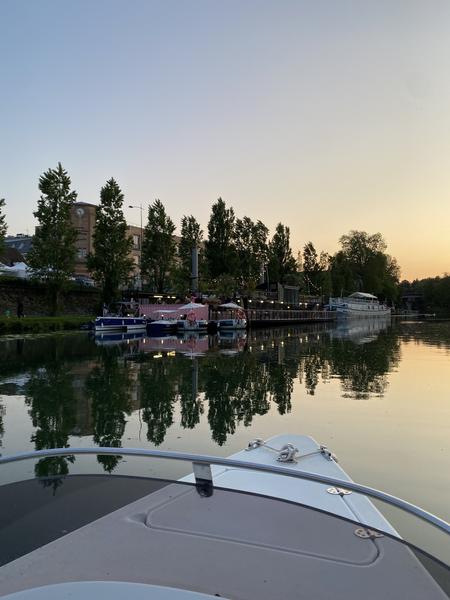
x: 125, y: 318
x: 166, y: 323
x: 237, y: 319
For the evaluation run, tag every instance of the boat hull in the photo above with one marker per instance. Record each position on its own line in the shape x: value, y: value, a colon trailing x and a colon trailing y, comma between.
x: 102, y: 324
x: 161, y: 326
x: 185, y: 325
x: 362, y: 312
x: 232, y: 324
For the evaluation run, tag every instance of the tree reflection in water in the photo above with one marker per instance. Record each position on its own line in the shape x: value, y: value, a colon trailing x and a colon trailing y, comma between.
x: 109, y: 388
x: 49, y: 393
x: 227, y: 385
x: 157, y: 381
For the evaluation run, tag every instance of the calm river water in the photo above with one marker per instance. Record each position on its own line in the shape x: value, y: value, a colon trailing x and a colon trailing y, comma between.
x: 377, y: 394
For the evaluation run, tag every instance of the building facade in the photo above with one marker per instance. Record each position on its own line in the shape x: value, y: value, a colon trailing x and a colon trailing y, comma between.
x: 83, y: 219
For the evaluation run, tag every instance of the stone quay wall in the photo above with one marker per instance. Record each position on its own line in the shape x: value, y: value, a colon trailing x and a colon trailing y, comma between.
x: 36, y: 300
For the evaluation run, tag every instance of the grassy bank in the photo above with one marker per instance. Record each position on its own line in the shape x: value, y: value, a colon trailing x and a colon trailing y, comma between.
x: 41, y: 324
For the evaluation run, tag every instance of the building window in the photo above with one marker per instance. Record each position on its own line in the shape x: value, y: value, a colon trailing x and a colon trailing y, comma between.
x: 136, y: 241
x: 81, y: 252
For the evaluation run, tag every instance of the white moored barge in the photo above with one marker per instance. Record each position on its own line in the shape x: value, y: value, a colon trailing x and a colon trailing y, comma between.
x: 359, y: 304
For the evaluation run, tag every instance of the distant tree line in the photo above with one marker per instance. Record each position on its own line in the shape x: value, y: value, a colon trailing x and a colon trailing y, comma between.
x: 433, y: 293
x: 237, y: 255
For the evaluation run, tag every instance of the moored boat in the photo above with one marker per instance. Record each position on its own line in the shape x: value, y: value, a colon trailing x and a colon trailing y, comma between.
x: 359, y: 304
x: 125, y: 317
x: 166, y: 323
x: 190, y: 320
x: 237, y: 319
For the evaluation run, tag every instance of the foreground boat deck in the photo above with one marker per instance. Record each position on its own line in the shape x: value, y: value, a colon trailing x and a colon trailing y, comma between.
x: 235, y: 532
x: 231, y: 544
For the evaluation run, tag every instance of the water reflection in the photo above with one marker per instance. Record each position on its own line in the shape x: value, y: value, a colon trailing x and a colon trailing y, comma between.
x: 50, y: 396
x: 77, y: 386
x: 108, y: 387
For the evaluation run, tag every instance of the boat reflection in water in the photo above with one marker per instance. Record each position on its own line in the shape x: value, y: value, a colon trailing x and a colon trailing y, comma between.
x: 360, y: 331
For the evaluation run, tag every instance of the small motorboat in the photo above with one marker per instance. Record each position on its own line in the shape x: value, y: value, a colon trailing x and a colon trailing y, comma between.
x: 279, y: 519
x: 237, y: 320
x: 124, y: 317
x: 165, y: 323
x: 191, y: 321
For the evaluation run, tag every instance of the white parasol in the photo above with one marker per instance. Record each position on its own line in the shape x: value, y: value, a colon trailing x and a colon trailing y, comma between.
x: 231, y: 306
x: 191, y: 306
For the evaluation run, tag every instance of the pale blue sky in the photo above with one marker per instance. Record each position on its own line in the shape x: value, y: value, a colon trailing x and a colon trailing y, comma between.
x: 325, y: 115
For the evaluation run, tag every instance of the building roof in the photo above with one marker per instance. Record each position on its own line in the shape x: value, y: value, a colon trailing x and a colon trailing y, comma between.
x: 11, y: 255
x: 363, y: 295
x: 85, y: 204
x: 22, y: 243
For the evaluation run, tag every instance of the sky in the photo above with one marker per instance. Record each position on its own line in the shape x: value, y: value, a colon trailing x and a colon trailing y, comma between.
x: 326, y: 115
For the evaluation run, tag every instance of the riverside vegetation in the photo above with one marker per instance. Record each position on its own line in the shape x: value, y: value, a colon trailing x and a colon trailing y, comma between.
x: 234, y: 258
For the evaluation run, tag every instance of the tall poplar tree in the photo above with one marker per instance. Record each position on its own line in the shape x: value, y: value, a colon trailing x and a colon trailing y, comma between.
x: 110, y: 263
x: 3, y: 227
x: 158, y: 248
x: 281, y: 261
x: 52, y: 257
x: 191, y: 237
x: 219, y: 248
x: 251, y: 248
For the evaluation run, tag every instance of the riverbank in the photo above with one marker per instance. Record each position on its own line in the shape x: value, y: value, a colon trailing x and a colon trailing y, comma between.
x: 10, y: 325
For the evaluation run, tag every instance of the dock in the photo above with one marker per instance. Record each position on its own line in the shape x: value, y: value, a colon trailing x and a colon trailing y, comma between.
x: 269, y: 317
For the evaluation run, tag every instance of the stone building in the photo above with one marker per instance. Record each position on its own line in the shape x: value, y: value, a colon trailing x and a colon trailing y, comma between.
x: 83, y: 219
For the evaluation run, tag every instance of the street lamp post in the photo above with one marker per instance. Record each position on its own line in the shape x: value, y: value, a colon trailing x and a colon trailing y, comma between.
x: 140, y: 243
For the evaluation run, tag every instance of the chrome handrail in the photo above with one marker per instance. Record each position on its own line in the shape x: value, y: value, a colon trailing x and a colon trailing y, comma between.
x: 206, y: 460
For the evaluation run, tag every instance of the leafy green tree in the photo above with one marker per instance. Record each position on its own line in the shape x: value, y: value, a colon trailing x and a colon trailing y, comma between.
x: 3, y: 227
x: 252, y: 250
x: 52, y: 257
x: 433, y: 293
x: 191, y: 237
x: 363, y: 265
x: 316, y: 270
x: 311, y: 267
x: 220, y: 250
x: 158, y: 248
x: 282, y: 264
x: 110, y: 263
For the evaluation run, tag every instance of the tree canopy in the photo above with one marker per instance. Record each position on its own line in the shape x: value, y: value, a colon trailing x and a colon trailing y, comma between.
x: 110, y: 263
x: 282, y: 264
x: 52, y: 257
x: 3, y: 227
x: 158, y: 248
x: 316, y: 271
x: 250, y: 240
x: 191, y: 237
x: 220, y: 250
x: 363, y: 265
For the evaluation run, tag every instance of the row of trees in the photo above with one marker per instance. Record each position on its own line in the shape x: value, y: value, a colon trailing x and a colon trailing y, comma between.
x: 237, y: 254
x: 3, y: 228
x: 433, y: 293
